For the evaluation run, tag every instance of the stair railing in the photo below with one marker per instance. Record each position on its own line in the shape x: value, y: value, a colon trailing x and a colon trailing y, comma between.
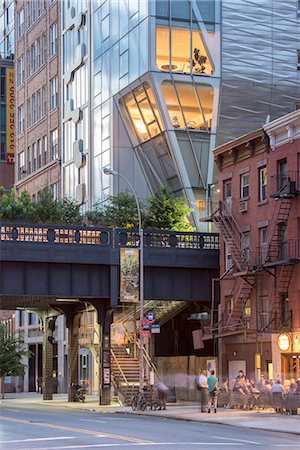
x: 119, y: 368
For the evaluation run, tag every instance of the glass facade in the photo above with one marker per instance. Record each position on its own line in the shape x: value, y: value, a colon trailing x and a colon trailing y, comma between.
x: 142, y: 90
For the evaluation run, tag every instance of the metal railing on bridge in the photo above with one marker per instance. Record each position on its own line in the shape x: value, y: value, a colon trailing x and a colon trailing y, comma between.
x: 84, y: 235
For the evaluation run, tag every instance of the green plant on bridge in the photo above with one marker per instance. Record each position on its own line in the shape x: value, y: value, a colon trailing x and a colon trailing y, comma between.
x: 12, y: 352
x: 161, y: 211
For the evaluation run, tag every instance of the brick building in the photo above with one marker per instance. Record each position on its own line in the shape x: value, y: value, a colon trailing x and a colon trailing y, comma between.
x: 258, y: 321
x: 37, y: 80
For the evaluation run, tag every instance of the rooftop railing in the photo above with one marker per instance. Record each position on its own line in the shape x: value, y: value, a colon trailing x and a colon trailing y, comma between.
x: 84, y: 235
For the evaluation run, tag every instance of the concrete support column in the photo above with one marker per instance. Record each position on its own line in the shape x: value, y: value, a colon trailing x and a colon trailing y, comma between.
x: 104, y: 319
x: 48, y: 328
x: 73, y: 324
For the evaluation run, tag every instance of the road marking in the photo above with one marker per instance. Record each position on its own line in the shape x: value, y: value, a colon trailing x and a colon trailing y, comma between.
x: 238, y: 440
x: 38, y: 439
x: 90, y: 420
x: 137, y: 444
x: 76, y: 430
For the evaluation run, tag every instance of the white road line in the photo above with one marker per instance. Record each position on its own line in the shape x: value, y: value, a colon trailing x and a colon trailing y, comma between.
x: 91, y: 420
x: 38, y: 439
x: 142, y: 444
x: 238, y: 440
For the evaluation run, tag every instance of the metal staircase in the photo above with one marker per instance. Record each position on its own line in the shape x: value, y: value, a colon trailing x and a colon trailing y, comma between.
x: 233, y: 319
x: 278, y: 226
x: 233, y: 236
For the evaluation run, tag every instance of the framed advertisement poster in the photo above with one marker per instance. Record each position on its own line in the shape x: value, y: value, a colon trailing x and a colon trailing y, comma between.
x: 129, y: 273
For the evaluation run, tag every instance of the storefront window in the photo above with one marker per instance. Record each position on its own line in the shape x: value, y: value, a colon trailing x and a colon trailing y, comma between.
x: 188, y: 53
x: 196, y: 105
x: 143, y: 112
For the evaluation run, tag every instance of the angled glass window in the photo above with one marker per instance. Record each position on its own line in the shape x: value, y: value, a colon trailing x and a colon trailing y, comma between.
x: 143, y: 112
x: 195, y: 108
x: 172, y: 104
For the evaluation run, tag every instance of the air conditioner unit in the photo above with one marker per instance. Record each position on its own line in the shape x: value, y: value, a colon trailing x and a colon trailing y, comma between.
x: 243, y: 206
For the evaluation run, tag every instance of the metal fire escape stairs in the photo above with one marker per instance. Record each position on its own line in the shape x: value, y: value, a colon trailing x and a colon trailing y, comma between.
x: 278, y: 258
x: 233, y: 320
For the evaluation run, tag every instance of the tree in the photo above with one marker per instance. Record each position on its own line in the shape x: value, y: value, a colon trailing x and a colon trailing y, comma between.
x: 118, y: 211
x: 45, y: 209
x: 12, y: 351
x: 164, y: 212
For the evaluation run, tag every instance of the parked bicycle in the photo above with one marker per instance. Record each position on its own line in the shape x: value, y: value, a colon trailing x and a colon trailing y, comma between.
x: 138, y: 402
x: 79, y: 393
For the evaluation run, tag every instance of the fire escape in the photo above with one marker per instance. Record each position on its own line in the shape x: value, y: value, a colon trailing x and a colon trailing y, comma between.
x: 234, y: 318
x: 282, y: 254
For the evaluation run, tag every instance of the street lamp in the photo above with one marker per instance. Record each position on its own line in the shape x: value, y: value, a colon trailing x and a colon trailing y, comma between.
x: 109, y: 171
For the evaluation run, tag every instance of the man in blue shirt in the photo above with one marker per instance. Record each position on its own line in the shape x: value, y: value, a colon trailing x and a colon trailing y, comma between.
x: 212, y: 391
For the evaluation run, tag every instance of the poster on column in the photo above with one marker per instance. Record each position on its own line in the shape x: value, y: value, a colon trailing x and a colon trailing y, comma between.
x: 129, y: 273
x: 10, y: 116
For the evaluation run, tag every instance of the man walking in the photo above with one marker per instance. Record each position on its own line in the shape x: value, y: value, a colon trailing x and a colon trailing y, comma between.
x: 212, y: 391
x: 202, y: 386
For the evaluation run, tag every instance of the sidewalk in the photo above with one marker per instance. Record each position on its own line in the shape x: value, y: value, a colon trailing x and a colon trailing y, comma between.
x: 262, y: 420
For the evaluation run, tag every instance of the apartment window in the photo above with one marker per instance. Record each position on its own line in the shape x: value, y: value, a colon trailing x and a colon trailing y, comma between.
x: 33, y: 104
x: 34, y: 157
x: 21, y: 119
x: 54, y: 144
x: 29, y: 160
x: 3, y: 147
x: 32, y: 11
x: 245, y: 246
x: 39, y: 105
x: 53, y: 39
x: 263, y: 242
x: 28, y: 14
x: 44, y: 48
x: 54, y: 191
x: 21, y: 165
x: 38, y: 8
x: 32, y: 319
x: 263, y: 184
x: 20, y: 23
x: 44, y: 149
x: 247, y: 310
x: 21, y: 318
x: 298, y: 59
x: 38, y: 53
x: 28, y: 113
x: 228, y: 258
x: 33, y: 67
x: 39, y: 154
x: 245, y: 185
x: 227, y: 195
x: 185, y: 54
x: 44, y: 101
x: 229, y: 303
x: 53, y: 93
x: 28, y: 62
x: 282, y: 174
x: 20, y: 71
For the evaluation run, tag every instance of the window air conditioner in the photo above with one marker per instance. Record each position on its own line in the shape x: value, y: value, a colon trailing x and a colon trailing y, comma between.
x: 243, y: 206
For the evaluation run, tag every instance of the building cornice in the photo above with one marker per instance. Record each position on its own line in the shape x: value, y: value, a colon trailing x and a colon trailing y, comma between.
x: 284, y: 130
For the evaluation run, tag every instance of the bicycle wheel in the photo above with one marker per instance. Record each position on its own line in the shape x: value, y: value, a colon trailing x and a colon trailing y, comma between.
x: 134, y: 403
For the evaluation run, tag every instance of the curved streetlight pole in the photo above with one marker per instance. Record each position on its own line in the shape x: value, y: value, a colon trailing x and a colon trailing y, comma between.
x: 109, y: 171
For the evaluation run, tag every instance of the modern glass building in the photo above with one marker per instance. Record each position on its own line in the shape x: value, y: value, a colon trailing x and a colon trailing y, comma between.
x: 151, y: 87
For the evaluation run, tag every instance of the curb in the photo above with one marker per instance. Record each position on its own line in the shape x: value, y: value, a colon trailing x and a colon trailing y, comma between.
x: 207, y: 422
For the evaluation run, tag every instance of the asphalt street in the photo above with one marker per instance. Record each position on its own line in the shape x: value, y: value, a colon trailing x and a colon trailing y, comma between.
x: 44, y: 428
